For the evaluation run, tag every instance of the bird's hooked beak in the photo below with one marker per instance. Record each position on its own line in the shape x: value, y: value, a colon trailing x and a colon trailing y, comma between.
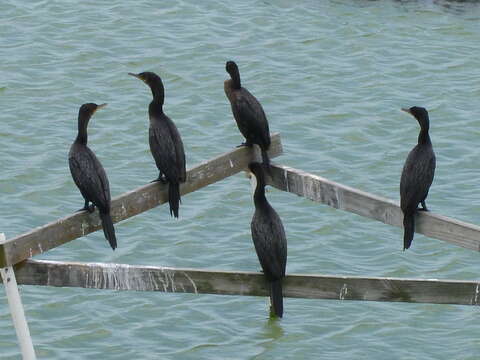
x: 253, y: 179
x: 99, y: 107
x: 136, y: 75
x: 406, y: 110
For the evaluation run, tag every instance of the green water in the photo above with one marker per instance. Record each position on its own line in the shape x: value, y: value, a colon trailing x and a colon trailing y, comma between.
x: 332, y: 76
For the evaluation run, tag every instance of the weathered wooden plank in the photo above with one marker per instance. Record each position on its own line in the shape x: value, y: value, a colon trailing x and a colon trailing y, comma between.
x: 342, y: 197
x: 152, y: 278
x: 127, y: 205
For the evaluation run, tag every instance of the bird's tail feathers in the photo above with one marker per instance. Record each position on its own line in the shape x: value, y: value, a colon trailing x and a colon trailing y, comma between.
x: 108, y: 229
x: 409, y: 230
x: 276, y: 298
x: 174, y: 198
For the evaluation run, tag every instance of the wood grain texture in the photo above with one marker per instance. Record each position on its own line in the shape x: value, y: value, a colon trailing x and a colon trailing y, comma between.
x: 154, y: 278
x: 61, y: 231
x: 342, y: 197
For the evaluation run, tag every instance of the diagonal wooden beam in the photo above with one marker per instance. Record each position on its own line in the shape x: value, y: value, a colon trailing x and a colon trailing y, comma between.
x: 178, y: 280
x: 134, y: 202
x: 343, y: 197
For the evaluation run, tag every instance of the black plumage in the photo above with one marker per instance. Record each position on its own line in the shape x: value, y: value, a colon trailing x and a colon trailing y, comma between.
x: 248, y: 112
x: 89, y: 175
x: 165, y: 142
x: 269, y: 239
x: 417, y: 175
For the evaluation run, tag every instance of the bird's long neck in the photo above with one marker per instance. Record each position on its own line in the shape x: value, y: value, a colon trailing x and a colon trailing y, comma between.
x: 158, y: 92
x: 259, y: 195
x: 424, y: 137
x: 155, y: 111
x: 82, y: 136
x: 235, y: 75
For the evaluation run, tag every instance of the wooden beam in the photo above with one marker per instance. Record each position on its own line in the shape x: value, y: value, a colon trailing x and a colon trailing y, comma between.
x: 127, y: 205
x: 152, y: 278
x: 342, y: 197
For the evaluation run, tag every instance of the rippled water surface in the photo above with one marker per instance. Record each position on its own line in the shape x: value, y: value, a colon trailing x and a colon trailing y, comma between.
x: 332, y: 76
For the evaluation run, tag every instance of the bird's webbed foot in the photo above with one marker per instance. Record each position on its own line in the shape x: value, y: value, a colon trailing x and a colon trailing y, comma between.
x: 161, y: 178
x: 87, y: 207
x: 246, y: 143
x: 424, y: 207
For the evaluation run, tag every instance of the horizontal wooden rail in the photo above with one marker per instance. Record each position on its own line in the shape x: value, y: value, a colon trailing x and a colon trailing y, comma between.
x: 127, y: 205
x: 152, y: 278
x: 342, y: 197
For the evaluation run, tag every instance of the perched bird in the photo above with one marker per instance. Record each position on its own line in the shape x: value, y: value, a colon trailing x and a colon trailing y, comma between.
x: 417, y: 175
x: 165, y: 142
x: 269, y: 239
x: 248, y: 113
x: 89, y: 175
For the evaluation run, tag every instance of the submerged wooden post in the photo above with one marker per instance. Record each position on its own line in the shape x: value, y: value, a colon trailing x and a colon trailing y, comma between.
x: 16, y: 310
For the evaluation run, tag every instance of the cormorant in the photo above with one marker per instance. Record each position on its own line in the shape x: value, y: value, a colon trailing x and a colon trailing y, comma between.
x: 165, y: 142
x: 269, y: 239
x: 89, y: 175
x: 417, y: 175
x: 248, y: 113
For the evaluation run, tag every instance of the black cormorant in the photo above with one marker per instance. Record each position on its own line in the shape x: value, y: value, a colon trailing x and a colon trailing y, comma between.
x: 248, y: 112
x: 269, y: 239
x: 89, y: 175
x: 165, y: 142
x: 417, y: 175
